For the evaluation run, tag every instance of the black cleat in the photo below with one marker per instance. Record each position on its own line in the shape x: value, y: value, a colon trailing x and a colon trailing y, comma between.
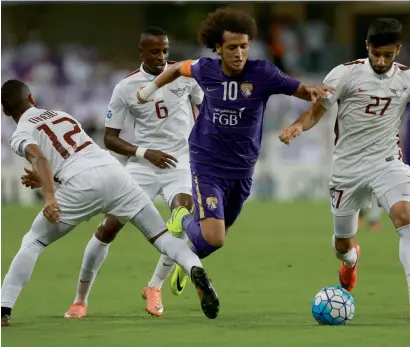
x: 5, y: 320
x: 206, y: 292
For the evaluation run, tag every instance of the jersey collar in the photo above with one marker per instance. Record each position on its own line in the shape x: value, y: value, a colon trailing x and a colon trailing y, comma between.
x: 147, y: 75
x: 386, y: 75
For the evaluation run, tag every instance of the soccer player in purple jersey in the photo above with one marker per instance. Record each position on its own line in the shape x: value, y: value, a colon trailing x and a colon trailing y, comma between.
x: 226, y: 138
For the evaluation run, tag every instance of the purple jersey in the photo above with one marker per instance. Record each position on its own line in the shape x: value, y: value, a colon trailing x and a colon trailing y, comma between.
x: 226, y: 139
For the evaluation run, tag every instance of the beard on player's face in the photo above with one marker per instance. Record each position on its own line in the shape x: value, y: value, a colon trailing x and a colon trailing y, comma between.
x: 382, y: 58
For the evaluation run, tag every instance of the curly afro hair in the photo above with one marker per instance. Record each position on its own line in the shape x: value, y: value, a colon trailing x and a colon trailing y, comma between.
x: 225, y: 19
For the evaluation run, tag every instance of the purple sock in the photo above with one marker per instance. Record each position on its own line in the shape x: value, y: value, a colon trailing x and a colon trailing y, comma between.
x: 199, y: 245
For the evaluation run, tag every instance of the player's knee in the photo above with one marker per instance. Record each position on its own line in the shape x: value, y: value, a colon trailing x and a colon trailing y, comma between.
x: 184, y: 200
x: 213, y: 231
x: 108, y: 229
x: 32, y: 241
x: 400, y: 214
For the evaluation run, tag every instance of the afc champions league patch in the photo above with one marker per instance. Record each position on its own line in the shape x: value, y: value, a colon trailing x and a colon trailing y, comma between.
x: 211, y: 202
x: 109, y: 114
x: 246, y: 89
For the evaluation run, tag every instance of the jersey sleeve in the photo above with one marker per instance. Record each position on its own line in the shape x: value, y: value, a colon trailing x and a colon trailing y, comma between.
x: 196, y: 93
x: 20, y: 140
x: 278, y: 82
x: 117, y: 109
x: 336, y: 78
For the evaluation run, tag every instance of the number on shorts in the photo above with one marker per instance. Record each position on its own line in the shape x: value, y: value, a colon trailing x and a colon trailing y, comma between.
x: 336, y: 197
x: 377, y: 103
x: 67, y: 137
x: 162, y: 111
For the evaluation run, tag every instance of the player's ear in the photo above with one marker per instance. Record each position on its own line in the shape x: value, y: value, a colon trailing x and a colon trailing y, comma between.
x: 398, y: 50
x: 31, y: 99
x: 367, y: 45
x: 6, y: 113
x: 218, y: 49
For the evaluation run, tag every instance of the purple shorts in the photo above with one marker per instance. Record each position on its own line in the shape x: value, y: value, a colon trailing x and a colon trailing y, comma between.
x: 219, y: 198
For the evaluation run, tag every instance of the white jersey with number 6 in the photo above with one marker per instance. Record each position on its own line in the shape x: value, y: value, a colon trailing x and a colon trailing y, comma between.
x: 163, y: 124
x: 61, y: 139
x: 367, y: 156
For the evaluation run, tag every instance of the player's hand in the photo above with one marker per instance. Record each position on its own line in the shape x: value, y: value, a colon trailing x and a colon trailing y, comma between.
x: 30, y: 179
x: 289, y: 133
x: 51, y: 210
x: 318, y: 92
x: 160, y: 159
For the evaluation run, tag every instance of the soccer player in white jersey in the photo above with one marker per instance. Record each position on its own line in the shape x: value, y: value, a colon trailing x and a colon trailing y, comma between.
x: 92, y: 181
x: 163, y: 125
x: 372, y: 95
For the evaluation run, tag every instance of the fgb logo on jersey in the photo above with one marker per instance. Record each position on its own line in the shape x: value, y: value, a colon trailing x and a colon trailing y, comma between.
x: 227, y: 116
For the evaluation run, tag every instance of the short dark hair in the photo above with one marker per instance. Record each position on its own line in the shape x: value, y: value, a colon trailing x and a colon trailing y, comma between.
x: 13, y: 95
x: 225, y: 19
x: 154, y: 31
x: 384, y: 31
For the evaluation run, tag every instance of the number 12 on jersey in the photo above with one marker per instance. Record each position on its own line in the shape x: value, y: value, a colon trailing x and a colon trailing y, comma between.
x: 67, y: 137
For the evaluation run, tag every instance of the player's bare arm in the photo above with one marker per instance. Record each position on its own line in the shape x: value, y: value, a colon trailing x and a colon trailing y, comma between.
x: 30, y: 179
x: 182, y: 68
x: 305, y: 122
x: 312, y: 93
x: 42, y: 170
x: 114, y: 143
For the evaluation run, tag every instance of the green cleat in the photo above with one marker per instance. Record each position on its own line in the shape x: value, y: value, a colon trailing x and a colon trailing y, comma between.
x: 179, y: 280
x: 174, y: 223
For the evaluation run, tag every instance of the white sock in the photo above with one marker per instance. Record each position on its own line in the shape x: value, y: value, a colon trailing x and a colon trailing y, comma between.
x: 179, y: 251
x: 20, y: 270
x: 404, y: 252
x: 348, y: 258
x: 94, y: 255
x: 164, y: 267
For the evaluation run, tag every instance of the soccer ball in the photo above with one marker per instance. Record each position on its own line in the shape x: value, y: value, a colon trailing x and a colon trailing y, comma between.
x: 333, y: 306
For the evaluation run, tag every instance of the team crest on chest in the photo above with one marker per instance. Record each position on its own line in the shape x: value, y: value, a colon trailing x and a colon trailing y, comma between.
x: 211, y: 202
x: 398, y: 92
x: 246, y: 89
x: 180, y: 92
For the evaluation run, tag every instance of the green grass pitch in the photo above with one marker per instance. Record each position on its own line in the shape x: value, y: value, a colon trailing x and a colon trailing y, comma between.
x: 276, y: 258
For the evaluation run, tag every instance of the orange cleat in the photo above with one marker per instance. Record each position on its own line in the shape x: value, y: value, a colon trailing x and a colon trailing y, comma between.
x: 348, y: 275
x: 76, y: 310
x: 154, y: 301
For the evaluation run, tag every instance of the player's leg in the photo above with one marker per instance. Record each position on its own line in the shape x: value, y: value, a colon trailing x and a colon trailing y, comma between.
x: 362, y: 215
x: 95, y: 253
x: 42, y: 233
x: 206, y: 229
x: 130, y: 201
x: 374, y: 214
x: 396, y: 203
x: 176, y: 192
x: 346, y: 203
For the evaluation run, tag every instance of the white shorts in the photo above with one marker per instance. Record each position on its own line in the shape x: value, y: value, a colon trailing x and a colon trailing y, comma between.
x: 167, y: 182
x: 104, y: 189
x: 349, y: 196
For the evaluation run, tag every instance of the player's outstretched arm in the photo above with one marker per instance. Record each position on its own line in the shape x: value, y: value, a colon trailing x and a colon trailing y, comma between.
x: 42, y: 170
x: 305, y: 122
x: 182, y: 68
x: 312, y: 93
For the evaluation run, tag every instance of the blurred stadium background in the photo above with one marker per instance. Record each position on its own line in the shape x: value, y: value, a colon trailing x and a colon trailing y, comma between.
x: 278, y: 255
x: 72, y: 59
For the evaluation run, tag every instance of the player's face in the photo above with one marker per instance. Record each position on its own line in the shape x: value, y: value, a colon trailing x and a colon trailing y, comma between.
x: 154, y: 51
x: 234, y: 51
x: 382, y: 58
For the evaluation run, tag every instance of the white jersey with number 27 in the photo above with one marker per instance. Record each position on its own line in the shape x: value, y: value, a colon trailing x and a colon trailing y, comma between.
x: 370, y: 108
x: 62, y: 140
